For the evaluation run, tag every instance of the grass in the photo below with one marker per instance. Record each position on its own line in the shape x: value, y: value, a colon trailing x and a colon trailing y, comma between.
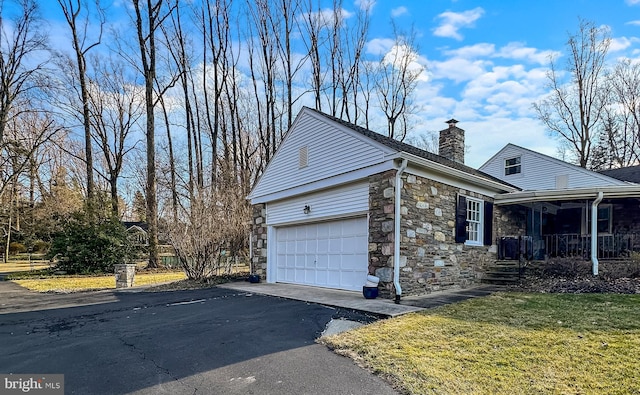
x: 67, y: 284
x: 22, y: 266
x: 507, y: 343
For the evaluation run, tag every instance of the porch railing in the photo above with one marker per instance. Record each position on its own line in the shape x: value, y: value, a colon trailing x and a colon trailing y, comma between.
x: 611, y: 246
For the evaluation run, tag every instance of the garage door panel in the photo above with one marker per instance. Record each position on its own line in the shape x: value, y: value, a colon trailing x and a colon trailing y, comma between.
x: 335, y: 246
x: 327, y: 254
x: 322, y: 262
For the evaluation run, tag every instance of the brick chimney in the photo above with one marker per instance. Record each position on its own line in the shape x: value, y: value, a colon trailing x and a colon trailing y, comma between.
x: 451, y: 142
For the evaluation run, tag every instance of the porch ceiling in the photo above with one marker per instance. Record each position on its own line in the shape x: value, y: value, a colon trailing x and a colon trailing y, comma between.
x: 610, y: 192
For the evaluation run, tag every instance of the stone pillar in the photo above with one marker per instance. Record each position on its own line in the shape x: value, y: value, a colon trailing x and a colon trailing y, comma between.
x: 259, y: 240
x: 381, y: 229
x: 125, y: 274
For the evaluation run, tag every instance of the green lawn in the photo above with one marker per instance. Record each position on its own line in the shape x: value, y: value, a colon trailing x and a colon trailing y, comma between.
x: 507, y: 343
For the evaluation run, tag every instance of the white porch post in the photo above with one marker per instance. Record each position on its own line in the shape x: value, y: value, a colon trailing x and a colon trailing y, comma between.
x: 594, y: 232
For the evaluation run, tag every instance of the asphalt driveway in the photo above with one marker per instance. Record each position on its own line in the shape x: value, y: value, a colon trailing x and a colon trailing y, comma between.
x: 209, y: 341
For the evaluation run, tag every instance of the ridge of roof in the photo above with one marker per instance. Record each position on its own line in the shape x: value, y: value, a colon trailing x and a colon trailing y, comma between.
x: 408, y: 148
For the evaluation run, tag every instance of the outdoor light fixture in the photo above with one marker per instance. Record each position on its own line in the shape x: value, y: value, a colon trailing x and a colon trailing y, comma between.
x: 307, y: 209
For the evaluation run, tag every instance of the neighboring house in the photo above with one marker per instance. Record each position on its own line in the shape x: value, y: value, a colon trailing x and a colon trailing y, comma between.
x: 327, y: 211
x: 569, y: 210
x: 137, y: 232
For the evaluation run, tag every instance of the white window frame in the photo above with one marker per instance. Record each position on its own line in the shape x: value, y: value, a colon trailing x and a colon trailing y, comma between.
x: 475, y: 221
x: 517, y: 165
x: 586, y: 216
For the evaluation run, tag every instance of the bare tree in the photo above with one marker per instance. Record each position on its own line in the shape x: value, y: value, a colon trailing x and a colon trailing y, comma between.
x: 115, y: 108
x: 20, y: 44
x: 79, y: 25
x: 624, y: 113
x: 574, y: 108
x: 396, y: 80
x: 148, y: 19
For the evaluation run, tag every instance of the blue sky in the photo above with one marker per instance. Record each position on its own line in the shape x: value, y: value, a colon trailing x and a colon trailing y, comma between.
x: 486, y: 60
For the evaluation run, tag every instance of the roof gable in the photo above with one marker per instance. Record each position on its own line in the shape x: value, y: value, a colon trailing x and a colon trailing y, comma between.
x: 330, y: 149
x: 399, y: 146
x: 541, y: 172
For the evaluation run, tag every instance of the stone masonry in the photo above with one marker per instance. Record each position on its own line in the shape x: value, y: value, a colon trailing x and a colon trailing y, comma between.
x: 434, y: 261
x: 381, y: 229
x: 259, y: 241
x: 430, y: 259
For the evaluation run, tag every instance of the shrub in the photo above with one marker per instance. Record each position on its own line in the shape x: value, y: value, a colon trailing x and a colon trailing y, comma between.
x: 91, y: 244
x: 16, y: 248
x: 40, y: 246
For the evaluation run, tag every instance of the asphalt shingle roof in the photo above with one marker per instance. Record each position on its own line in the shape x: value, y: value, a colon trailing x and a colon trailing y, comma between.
x: 630, y: 174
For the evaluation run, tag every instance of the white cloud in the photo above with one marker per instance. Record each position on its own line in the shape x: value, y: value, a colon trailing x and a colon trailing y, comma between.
x: 379, y: 46
x: 399, y: 53
x: 454, y: 21
x: 622, y: 43
x: 458, y: 69
x: 635, y: 23
x: 632, y: 2
x: 472, y: 51
x: 402, y: 10
x: 516, y: 50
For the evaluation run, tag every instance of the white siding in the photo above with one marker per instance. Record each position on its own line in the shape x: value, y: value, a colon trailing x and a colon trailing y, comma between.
x: 333, y: 203
x: 540, y: 172
x: 332, y: 149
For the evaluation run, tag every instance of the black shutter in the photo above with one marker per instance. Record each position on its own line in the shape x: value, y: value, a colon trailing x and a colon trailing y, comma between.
x: 461, y: 219
x: 488, y: 223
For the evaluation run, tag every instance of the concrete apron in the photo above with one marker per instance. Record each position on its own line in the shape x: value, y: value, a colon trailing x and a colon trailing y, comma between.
x: 356, y: 301
x: 325, y: 296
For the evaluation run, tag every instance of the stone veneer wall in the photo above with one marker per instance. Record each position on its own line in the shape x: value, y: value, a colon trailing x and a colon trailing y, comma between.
x: 259, y: 240
x: 434, y: 261
x: 381, y: 229
x: 430, y: 259
x: 509, y: 221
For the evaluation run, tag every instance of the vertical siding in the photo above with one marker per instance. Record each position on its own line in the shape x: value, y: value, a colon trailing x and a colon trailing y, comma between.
x: 331, y: 150
x: 346, y: 200
x: 539, y: 171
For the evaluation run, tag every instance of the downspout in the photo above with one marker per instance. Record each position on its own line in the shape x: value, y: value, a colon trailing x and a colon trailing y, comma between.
x: 397, y: 236
x: 594, y: 232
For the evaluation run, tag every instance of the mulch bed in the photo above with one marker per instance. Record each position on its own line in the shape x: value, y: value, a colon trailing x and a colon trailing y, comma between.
x: 586, y: 284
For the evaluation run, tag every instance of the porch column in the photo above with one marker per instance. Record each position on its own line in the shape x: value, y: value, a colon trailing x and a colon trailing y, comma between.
x: 594, y: 232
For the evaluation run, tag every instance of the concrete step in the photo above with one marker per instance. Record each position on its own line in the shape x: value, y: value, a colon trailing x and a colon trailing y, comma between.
x: 500, y: 280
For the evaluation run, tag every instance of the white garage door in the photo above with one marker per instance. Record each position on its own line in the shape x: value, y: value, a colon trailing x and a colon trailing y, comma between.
x: 325, y: 254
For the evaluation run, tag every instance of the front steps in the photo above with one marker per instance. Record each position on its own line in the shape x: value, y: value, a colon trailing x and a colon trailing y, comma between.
x: 503, y: 272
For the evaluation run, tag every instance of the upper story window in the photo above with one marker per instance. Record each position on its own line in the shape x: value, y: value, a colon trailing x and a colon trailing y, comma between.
x: 512, y: 166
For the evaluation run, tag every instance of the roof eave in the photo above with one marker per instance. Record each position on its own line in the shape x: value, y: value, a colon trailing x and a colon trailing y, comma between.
x: 610, y: 192
x: 472, y: 178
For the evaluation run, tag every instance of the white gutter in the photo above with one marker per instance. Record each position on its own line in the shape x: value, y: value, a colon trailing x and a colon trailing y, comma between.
x: 616, y: 191
x: 397, y: 236
x: 594, y: 232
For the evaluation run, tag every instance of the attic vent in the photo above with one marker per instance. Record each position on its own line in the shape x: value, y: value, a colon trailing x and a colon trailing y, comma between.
x: 303, y: 157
